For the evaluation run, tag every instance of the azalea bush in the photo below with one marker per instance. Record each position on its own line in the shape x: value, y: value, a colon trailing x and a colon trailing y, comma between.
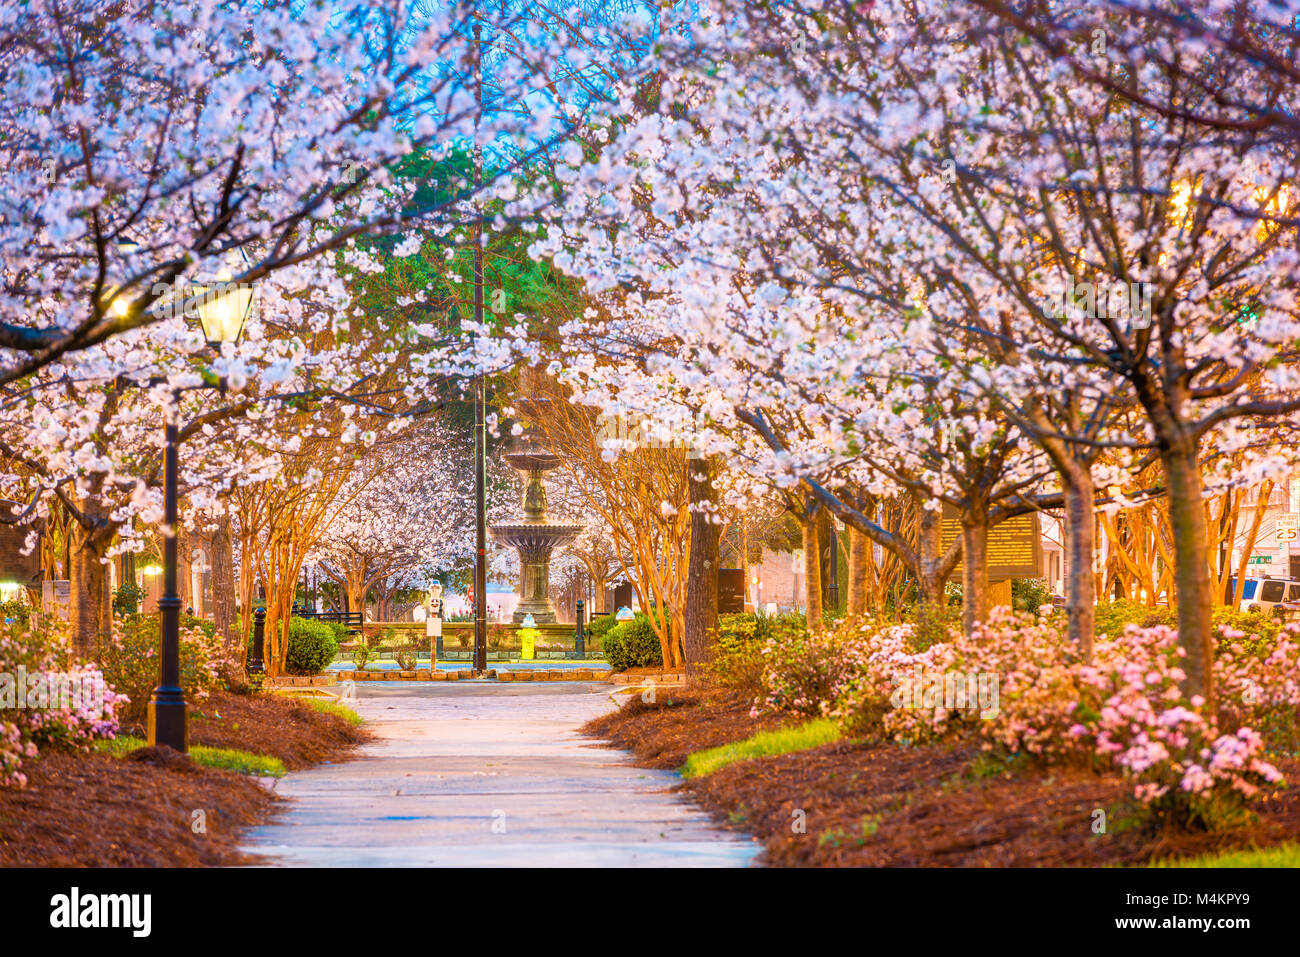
x: 130, y: 659
x: 1018, y: 686
x: 804, y: 671
x: 1257, y: 682
x: 738, y: 662
x: 50, y: 720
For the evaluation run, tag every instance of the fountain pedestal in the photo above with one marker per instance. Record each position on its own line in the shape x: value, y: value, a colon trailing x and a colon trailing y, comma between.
x: 535, y: 536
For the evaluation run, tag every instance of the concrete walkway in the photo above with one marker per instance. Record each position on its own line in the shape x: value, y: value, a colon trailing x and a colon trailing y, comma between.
x: 475, y: 773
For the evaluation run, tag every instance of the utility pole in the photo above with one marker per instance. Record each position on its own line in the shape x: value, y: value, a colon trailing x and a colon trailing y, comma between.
x: 480, y: 418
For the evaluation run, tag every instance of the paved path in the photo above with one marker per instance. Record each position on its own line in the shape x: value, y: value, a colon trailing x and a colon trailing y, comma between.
x: 487, y: 774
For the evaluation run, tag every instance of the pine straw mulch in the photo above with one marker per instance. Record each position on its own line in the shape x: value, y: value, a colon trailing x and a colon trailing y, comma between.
x: 679, y: 721
x: 886, y: 805
x: 94, y: 810
x: 275, y: 725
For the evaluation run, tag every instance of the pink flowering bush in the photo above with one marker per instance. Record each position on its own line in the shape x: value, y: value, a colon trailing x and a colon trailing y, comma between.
x: 1123, y: 710
x: 44, y: 713
x: 894, y: 673
x: 1257, y: 684
x: 131, y: 664
x: 803, y: 671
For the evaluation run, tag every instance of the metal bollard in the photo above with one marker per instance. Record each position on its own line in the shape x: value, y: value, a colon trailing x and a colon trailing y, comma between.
x: 256, y: 665
x: 579, y: 637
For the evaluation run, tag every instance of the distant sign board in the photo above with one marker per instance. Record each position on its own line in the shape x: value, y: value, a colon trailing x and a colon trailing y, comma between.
x: 1260, y: 560
x: 1015, y: 547
x: 731, y: 591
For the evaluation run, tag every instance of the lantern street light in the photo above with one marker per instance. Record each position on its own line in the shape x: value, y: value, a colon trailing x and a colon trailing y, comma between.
x: 222, y: 311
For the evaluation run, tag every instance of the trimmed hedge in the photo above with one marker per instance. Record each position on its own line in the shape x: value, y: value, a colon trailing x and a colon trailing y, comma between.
x: 632, y: 644
x: 312, y: 646
x: 1112, y: 616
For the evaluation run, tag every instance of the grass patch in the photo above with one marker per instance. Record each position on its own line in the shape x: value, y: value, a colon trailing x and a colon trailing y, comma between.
x: 120, y: 746
x: 765, y: 744
x: 226, y: 759
x: 1284, y: 855
x: 326, y: 706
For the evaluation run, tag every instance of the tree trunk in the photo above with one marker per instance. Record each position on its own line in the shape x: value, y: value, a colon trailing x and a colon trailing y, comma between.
x: 356, y: 597
x: 247, y: 592
x: 812, y: 572
x: 1191, y: 571
x: 829, y: 559
x: 701, y: 614
x: 89, y: 610
x: 184, y: 567
x: 751, y: 594
x: 223, y: 593
x: 1081, y: 588
x: 859, y: 559
x: 1261, y: 502
x: 974, y: 570
x: 929, y: 539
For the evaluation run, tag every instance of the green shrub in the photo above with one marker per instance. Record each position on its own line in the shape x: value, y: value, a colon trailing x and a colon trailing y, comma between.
x: 1112, y: 616
x: 16, y: 611
x: 126, y: 599
x: 632, y: 644
x: 1267, y: 626
x: 312, y: 646
x: 600, y: 625
x: 738, y: 659
x: 361, y: 654
x: 1029, y: 594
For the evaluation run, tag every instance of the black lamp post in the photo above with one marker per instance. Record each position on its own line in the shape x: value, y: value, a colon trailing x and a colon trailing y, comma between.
x: 222, y: 311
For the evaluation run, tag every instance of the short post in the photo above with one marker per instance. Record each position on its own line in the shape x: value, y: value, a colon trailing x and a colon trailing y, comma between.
x: 256, y: 666
x: 579, y: 638
x: 433, y: 624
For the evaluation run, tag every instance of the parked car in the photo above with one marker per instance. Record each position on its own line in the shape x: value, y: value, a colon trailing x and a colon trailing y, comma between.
x: 1266, y: 594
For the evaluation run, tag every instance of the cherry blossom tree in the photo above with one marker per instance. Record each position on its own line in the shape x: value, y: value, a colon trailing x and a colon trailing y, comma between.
x: 800, y: 162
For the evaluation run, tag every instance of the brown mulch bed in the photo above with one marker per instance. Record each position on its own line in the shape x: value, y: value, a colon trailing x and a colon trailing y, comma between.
x: 94, y: 810
x: 662, y: 734
x: 275, y: 725
x: 882, y: 805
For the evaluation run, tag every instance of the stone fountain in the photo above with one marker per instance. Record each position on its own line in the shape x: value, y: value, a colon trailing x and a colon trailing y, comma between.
x: 535, y: 535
